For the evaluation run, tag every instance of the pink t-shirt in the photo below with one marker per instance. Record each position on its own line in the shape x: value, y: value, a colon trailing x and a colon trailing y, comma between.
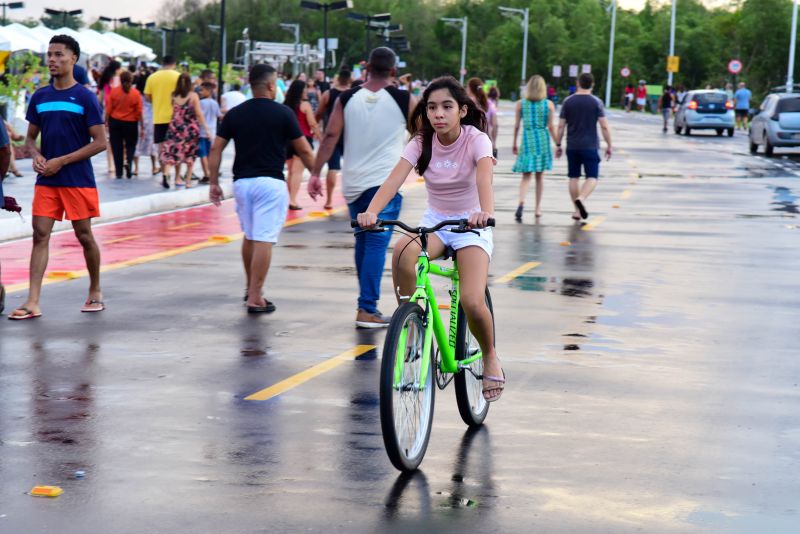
x: 450, y: 177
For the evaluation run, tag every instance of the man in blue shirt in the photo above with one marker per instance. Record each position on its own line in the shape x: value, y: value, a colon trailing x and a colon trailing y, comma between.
x: 69, y: 119
x: 742, y: 106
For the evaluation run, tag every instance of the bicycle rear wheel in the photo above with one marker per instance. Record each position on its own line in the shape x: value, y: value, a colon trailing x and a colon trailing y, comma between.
x: 469, y: 390
x: 406, y: 405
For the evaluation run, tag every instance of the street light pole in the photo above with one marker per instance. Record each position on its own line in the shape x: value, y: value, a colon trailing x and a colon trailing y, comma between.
x: 513, y: 11
x: 333, y: 6
x: 295, y: 29
x: 222, y: 51
x: 671, y: 40
x: 793, y: 43
x: 463, y: 23
x: 611, y: 53
x: 10, y: 5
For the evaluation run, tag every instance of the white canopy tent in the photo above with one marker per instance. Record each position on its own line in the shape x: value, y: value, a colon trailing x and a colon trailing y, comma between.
x: 44, y: 32
x: 131, y: 48
x: 18, y: 40
x: 30, y: 33
x: 90, y: 45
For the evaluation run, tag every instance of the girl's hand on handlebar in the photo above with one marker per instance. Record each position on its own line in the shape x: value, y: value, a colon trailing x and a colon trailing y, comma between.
x: 367, y: 220
x: 479, y: 219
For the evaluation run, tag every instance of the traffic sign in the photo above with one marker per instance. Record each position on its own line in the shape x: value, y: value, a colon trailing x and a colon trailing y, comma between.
x: 586, y: 68
x: 556, y: 71
x: 625, y: 72
x: 573, y: 71
x: 735, y: 66
x: 673, y: 63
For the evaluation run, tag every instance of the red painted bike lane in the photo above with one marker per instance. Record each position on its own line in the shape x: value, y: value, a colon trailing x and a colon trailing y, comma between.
x: 143, y: 239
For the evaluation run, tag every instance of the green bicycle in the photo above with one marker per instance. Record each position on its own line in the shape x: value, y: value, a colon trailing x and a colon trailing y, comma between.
x: 411, y: 363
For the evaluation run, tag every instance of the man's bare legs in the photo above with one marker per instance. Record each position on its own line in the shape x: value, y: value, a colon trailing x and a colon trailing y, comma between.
x: 256, y: 257
x: 91, y: 253
x: 578, y: 192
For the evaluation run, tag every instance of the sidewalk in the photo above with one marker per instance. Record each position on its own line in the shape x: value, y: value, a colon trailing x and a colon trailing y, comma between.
x: 119, y: 199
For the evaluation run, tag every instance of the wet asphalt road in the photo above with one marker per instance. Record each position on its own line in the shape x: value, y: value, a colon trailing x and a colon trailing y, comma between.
x: 651, y: 357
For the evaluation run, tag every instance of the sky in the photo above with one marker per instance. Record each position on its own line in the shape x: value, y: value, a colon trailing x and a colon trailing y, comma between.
x: 145, y: 10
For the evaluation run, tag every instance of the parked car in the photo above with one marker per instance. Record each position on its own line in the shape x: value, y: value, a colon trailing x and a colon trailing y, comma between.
x: 705, y: 110
x: 777, y: 123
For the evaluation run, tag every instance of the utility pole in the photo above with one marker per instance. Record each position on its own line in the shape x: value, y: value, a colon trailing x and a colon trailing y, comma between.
x: 671, y: 40
x: 611, y: 53
x: 462, y: 22
x: 793, y: 43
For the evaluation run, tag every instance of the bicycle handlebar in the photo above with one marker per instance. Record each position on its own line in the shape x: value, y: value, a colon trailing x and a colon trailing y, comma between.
x: 460, y: 223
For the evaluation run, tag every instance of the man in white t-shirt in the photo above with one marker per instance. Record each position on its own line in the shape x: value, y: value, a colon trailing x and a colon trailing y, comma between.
x: 232, y: 98
x: 373, y: 117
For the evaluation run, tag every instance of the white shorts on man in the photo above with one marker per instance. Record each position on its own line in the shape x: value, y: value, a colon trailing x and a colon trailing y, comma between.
x: 457, y: 241
x: 261, y: 204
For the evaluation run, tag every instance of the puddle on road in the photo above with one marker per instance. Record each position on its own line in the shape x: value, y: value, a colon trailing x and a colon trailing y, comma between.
x: 784, y: 200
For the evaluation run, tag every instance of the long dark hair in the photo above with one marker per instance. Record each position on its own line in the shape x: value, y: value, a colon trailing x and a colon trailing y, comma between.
x: 184, y: 85
x: 420, y: 126
x: 476, y: 87
x: 294, y: 95
x: 126, y: 79
x: 108, y: 74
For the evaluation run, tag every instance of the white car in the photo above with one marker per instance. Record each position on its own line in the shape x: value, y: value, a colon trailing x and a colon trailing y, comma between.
x: 777, y: 123
x: 705, y: 110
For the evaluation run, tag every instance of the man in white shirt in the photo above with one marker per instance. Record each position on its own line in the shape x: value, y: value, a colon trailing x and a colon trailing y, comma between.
x: 232, y: 98
x: 373, y: 116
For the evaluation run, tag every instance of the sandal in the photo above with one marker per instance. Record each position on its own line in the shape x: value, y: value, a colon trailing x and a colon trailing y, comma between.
x: 268, y: 307
x: 295, y: 207
x: 93, y: 306
x: 581, y: 208
x: 27, y: 314
x: 500, y: 385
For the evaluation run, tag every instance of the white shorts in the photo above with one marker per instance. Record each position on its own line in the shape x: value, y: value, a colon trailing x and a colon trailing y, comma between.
x: 641, y: 101
x: 261, y: 204
x: 459, y: 241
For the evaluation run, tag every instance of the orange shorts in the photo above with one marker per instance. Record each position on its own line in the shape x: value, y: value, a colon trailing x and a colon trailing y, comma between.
x: 77, y: 202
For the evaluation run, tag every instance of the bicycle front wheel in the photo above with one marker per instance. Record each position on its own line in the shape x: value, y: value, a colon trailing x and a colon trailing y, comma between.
x: 469, y: 390
x: 406, y: 404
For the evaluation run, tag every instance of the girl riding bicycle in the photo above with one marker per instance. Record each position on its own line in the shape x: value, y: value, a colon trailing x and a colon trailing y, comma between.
x: 450, y: 148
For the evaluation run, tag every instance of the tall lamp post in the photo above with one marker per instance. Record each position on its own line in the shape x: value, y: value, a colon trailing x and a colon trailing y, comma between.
x: 173, y: 32
x: 123, y: 20
x: 142, y: 26
x: 10, y: 5
x: 611, y: 52
x: 368, y: 25
x: 513, y: 12
x: 671, y: 40
x: 792, y: 41
x: 295, y: 29
x: 64, y: 13
x: 462, y: 23
x: 331, y: 6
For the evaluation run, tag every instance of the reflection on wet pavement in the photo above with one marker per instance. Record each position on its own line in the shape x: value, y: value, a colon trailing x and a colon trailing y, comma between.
x: 784, y: 200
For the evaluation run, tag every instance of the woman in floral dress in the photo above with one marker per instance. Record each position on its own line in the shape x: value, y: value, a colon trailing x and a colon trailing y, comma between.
x: 537, y: 115
x: 183, y: 134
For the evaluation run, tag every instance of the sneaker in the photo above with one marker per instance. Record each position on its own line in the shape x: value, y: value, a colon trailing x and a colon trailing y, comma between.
x: 518, y: 213
x: 371, y: 320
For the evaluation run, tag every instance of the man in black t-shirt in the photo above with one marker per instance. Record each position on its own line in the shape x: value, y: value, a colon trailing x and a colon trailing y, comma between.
x: 580, y: 115
x: 260, y: 129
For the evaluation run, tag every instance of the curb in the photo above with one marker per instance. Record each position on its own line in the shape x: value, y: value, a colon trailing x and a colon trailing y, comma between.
x: 16, y: 228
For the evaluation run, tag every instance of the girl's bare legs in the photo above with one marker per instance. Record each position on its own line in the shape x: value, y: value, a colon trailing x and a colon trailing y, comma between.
x: 295, y: 179
x: 523, y: 192
x: 187, y: 177
x: 539, y: 192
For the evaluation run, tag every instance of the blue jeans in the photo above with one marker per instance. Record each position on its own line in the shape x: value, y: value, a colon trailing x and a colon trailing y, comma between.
x: 371, y: 250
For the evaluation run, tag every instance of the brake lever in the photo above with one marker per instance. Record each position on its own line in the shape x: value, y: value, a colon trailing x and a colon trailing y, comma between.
x: 466, y: 231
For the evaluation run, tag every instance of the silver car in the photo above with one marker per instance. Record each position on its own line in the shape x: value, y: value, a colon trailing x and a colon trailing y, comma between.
x: 777, y: 123
x: 705, y: 110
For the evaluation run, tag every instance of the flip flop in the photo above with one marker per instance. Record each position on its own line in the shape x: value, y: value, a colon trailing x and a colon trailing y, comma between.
x: 28, y: 315
x: 581, y: 208
x: 93, y: 306
x: 269, y: 308
x: 501, y: 385
x: 295, y: 207
x: 327, y: 207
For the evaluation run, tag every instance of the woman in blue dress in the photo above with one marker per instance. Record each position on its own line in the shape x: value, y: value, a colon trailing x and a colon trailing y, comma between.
x: 537, y: 115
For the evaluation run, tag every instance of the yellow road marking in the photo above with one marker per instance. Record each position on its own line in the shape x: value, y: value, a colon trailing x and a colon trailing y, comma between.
x: 522, y: 269
x: 308, y: 374
x: 594, y: 223
x: 182, y: 226
x: 625, y: 194
x: 121, y: 239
